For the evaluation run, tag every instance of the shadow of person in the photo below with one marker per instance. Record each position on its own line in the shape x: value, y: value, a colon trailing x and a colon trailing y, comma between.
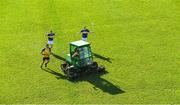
x: 102, y: 57
x: 58, y: 57
x: 58, y: 75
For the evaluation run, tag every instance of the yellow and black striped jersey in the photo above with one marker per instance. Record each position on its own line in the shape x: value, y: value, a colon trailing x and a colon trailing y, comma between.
x: 46, y: 52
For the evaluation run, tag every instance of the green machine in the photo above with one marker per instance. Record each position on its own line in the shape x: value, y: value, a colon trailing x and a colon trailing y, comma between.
x: 80, y: 60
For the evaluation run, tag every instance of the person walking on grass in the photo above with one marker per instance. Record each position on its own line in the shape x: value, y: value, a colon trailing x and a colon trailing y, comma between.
x: 51, y: 38
x: 85, y: 33
x: 46, y: 52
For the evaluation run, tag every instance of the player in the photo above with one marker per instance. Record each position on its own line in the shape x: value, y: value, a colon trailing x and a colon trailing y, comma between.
x: 46, y: 52
x: 50, y: 39
x: 85, y: 33
x: 76, y: 53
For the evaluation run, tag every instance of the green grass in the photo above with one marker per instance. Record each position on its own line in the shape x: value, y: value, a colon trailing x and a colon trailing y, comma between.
x: 141, y: 38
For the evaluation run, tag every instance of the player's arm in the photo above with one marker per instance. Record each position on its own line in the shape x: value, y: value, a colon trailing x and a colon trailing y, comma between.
x: 42, y: 51
x: 81, y: 32
x: 75, y: 54
x: 90, y: 31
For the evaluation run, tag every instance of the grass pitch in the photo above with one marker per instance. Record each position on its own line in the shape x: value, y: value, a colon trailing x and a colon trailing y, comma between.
x: 138, y: 41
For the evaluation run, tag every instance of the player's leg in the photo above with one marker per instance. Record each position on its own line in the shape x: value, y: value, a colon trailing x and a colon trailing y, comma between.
x: 43, y: 62
x: 47, y: 61
x: 50, y: 43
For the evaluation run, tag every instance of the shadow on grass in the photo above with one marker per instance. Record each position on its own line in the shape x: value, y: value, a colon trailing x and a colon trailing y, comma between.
x: 58, y: 75
x: 102, y: 57
x: 94, y: 79
x: 100, y: 83
x: 58, y: 57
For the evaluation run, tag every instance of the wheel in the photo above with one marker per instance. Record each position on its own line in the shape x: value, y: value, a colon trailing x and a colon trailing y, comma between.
x: 64, y: 67
x: 100, y: 69
x: 68, y: 73
x: 71, y: 74
x: 94, y: 65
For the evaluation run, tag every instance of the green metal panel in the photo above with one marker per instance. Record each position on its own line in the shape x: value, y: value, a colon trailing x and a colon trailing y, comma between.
x: 68, y: 58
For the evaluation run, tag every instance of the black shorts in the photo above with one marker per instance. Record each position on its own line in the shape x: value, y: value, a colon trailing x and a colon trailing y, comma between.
x: 45, y: 58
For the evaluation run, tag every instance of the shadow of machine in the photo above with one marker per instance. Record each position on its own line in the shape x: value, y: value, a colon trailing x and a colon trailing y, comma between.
x: 94, y: 79
x: 102, y: 57
x: 58, y: 57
